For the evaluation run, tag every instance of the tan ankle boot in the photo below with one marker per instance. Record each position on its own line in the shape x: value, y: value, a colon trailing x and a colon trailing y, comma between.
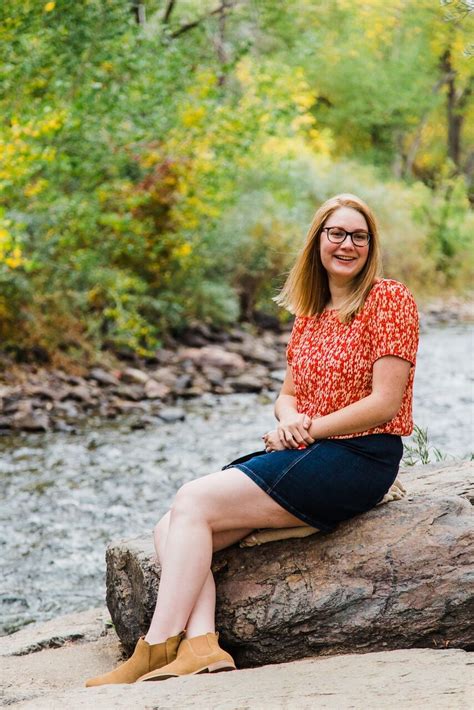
x: 144, y: 659
x: 201, y: 654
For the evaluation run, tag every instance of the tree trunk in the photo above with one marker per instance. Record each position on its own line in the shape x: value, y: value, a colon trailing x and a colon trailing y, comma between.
x: 456, y: 101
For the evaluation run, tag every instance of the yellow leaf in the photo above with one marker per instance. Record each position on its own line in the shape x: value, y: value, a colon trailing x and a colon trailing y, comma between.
x: 184, y: 250
x: 35, y: 188
x: 15, y: 260
x: 192, y: 116
x: 4, y: 235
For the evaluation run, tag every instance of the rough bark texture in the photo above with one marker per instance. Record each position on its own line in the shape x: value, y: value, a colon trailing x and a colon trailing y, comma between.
x: 399, y: 576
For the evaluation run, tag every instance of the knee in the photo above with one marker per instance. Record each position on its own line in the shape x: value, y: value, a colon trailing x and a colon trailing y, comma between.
x: 189, y: 501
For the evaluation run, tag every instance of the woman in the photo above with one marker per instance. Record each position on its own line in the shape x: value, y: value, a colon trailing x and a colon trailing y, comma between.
x: 344, y: 405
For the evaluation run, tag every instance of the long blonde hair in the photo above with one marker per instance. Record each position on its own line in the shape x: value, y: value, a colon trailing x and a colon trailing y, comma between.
x: 306, y: 290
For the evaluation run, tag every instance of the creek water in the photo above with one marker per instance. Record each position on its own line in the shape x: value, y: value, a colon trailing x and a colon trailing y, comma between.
x: 66, y: 496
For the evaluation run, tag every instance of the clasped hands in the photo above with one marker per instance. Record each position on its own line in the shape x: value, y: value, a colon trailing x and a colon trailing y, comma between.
x: 291, y: 433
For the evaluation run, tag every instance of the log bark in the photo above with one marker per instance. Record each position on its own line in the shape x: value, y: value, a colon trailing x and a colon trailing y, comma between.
x: 400, y: 576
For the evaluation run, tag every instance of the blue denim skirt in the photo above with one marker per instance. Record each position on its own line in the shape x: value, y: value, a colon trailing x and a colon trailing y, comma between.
x: 331, y: 480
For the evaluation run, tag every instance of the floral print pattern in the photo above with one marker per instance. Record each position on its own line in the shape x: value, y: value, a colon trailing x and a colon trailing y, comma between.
x: 332, y: 362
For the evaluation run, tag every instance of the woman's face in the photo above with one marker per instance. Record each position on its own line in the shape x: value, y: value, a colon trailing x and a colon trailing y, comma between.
x: 343, y: 261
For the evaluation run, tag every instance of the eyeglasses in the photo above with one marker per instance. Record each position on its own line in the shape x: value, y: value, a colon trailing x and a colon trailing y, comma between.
x: 337, y: 235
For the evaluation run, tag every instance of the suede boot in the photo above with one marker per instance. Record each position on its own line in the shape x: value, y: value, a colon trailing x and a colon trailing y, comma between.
x: 201, y: 654
x: 144, y: 659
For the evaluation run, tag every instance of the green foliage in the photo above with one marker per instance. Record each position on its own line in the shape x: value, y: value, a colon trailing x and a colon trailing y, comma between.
x: 421, y: 451
x: 444, y: 213
x: 149, y: 177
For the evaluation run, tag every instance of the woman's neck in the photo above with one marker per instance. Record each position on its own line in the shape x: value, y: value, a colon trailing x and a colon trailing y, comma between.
x: 338, y: 295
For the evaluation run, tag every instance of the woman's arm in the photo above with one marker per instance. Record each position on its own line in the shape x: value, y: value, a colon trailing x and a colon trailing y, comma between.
x: 293, y: 426
x: 389, y: 380
x: 285, y: 404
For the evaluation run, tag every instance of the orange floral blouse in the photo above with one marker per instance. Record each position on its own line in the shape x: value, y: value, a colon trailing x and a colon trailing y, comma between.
x: 331, y: 362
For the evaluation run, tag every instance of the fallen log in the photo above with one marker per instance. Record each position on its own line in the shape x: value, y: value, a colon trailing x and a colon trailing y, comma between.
x: 400, y: 576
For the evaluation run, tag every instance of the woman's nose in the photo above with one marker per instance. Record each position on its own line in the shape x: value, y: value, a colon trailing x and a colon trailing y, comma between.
x: 347, y: 243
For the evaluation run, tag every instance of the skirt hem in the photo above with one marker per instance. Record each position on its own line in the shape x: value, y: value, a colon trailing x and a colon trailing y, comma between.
x: 322, y: 527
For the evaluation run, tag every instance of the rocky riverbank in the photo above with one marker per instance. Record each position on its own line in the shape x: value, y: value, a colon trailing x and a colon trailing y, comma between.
x: 39, y: 398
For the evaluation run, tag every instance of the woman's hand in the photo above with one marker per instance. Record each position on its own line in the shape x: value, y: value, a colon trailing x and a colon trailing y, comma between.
x: 272, y: 441
x: 293, y: 431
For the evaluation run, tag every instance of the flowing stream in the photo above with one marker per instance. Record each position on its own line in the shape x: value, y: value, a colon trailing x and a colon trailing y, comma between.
x: 66, y: 496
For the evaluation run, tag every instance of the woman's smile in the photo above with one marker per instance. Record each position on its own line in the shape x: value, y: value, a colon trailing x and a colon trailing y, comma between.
x: 345, y: 258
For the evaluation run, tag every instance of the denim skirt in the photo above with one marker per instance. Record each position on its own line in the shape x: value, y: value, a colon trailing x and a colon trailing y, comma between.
x: 331, y: 480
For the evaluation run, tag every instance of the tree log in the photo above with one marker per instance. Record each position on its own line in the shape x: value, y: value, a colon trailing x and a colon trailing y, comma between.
x: 400, y: 576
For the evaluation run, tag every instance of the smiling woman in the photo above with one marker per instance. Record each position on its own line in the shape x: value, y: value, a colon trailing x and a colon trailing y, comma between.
x: 344, y: 405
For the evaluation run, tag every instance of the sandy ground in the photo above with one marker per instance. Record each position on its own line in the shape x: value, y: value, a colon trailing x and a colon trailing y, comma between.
x: 43, y: 667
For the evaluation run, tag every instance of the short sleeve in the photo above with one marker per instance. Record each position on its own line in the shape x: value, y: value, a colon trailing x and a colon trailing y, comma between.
x: 295, y: 337
x: 393, y: 322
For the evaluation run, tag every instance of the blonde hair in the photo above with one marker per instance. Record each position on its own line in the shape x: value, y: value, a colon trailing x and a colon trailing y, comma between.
x: 306, y: 290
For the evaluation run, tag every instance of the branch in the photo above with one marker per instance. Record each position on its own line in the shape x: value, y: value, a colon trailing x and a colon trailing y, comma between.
x: 465, y: 93
x: 169, y: 9
x: 460, y: 10
x: 226, y: 5
x: 138, y: 9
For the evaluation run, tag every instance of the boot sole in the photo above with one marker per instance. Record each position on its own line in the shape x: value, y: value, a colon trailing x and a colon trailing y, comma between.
x: 217, y: 667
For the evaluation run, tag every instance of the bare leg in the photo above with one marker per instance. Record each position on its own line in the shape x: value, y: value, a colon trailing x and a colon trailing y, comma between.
x: 224, y: 501
x: 202, y: 616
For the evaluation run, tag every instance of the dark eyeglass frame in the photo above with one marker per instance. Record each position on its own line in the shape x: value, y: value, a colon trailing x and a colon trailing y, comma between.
x: 347, y: 234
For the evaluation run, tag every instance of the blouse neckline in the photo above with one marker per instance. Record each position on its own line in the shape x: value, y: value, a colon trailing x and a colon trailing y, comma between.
x: 335, y: 310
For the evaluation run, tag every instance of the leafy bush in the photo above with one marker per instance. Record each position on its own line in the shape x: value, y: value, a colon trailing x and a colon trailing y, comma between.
x: 146, y: 180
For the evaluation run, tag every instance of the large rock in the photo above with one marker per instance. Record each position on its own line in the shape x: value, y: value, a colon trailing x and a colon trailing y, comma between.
x: 213, y: 356
x: 79, y: 626
x: 397, y: 577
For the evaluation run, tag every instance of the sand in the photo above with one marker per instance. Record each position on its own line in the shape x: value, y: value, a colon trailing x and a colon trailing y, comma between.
x: 44, y: 667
